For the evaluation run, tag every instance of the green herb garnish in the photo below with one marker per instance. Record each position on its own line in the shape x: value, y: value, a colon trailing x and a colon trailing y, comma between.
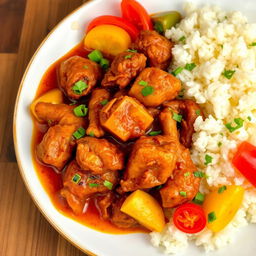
x: 222, y: 189
x: 219, y: 144
x: 183, y: 193
x: 79, y: 133
x: 199, y: 198
x: 147, y: 90
x: 104, y: 102
x: 252, y: 44
x: 93, y: 185
x: 190, y: 66
x: 177, y: 71
x: 154, y: 133
x: 85, y: 67
x: 104, y: 63
x: 91, y: 134
x: 199, y: 174
x: 159, y: 27
x: 198, y: 112
x: 76, y: 178
x: 228, y: 73
x: 131, y: 50
x: 79, y: 87
x: 182, y: 39
x: 239, y: 123
x: 143, y: 83
x: 108, y: 184
x: 128, y: 57
x: 80, y: 110
x: 177, y: 117
x: 95, y: 56
x: 208, y: 159
x: 249, y: 118
x: 186, y: 174
x: 212, y: 217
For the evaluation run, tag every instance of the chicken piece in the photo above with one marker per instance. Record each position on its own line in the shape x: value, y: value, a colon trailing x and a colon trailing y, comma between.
x: 125, y: 67
x: 79, y: 185
x: 103, y: 204
x: 153, y: 86
x: 98, y: 99
x: 189, y: 111
x: 151, y: 162
x: 58, y: 143
x: 77, y: 76
x: 120, y: 93
x: 157, y: 48
x: 125, y: 118
x: 98, y: 155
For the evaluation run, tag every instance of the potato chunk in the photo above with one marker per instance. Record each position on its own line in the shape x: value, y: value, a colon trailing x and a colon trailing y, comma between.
x: 125, y: 118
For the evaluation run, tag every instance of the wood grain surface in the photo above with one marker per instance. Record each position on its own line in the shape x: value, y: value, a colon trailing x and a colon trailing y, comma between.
x: 23, y: 25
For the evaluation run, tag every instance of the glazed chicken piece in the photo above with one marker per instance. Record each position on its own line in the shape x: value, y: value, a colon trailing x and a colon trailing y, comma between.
x: 153, y: 86
x: 125, y: 118
x: 77, y: 76
x: 98, y: 155
x: 125, y: 66
x: 157, y: 48
x: 79, y: 185
x: 151, y: 162
x: 189, y: 111
x: 183, y: 178
x: 98, y: 99
x: 58, y: 143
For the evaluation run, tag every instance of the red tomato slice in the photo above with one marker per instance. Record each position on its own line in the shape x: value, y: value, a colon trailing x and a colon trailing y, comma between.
x: 117, y: 21
x: 189, y: 218
x: 245, y: 161
x: 136, y: 14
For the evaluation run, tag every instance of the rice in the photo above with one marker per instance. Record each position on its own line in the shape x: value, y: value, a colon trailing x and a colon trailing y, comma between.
x: 216, y: 41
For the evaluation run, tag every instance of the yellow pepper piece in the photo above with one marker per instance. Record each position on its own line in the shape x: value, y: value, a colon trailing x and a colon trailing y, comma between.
x: 223, y: 203
x: 53, y: 96
x: 145, y: 209
x: 108, y: 39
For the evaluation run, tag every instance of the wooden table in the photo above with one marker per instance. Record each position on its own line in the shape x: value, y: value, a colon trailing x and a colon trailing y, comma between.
x: 23, y: 25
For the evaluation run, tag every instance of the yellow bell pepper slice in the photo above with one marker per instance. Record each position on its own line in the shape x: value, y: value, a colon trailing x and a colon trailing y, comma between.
x: 108, y: 39
x: 53, y: 96
x: 145, y: 209
x: 221, y: 206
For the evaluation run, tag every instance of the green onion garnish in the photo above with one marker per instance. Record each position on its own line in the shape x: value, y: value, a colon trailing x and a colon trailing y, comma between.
x: 154, y: 133
x: 183, y: 193
x: 199, y: 174
x: 177, y: 117
x: 186, y: 174
x: 222, y: 189
x: 79, y: 133
x: 212, y: 217
x: 228, y: 73
x: 80, y: 110
x: 252, y: 44
x: 147, y: 90
x: 91, y: 134
x: 159, y: 27
x: 177, y: 71
x: 182, y: 39
x: 158, y: 187
x: 198, y: 112
x: 95, y: 56
x: 131, y: 50
x: 108, y: 184
x: 219, y: 144
x: 239, y: 123
x: 76, y: 178
x: 104, y: 102
x: 249, y: 118
x: 93, y: 185
x: 79, y: 87
x: 208, y: 159
x: 199, y: 198
x: 104, y: 63
x: 85, y: 67
x: 128, y: 57
x: 190, y: 66
x: 143, y: 83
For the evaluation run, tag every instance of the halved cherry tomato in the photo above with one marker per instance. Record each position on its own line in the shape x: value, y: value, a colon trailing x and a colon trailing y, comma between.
x: 136, y: 14
x: 189, y: 218
x: 245, y: 161
x: 117, y: 21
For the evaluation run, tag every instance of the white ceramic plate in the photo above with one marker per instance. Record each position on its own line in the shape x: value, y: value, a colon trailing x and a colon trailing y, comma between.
x: 64, y: 37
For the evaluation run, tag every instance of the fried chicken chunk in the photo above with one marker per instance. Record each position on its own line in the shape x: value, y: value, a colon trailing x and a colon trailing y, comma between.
x: 98, y: 99
x: 58, y: 143
x: 153, y: 86
x: 125, y: 67
x: 77, y: 76
x: 79, y: 185
x: 157, y: 48
x: 189, y: 111
x: 98, y: 155
x: 151, y: 162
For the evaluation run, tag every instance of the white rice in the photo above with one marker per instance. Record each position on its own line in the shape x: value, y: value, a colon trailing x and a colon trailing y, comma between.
x: 216, y: 41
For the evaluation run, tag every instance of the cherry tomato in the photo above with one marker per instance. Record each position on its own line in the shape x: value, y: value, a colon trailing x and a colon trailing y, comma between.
x: 117, y: 21
x: 245, y: 161
x: 136, y: 14
x: 189, y: 218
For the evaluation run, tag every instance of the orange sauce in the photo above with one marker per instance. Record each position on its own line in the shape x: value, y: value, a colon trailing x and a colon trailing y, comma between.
x: 50, y: 178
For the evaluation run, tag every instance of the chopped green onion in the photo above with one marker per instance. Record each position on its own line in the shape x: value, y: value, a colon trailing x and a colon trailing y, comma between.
x: 190, y: 66
x: 93, y: 185
x: 85, y: 67
x: 79, y: 87
x: 249, y: 118
x: 208, y: 159
x: 221, y: 46
x: 76, y: 178
x: 239, y: 123
x: 131, y: 50
x: 159, y: 27
x: 177, y: 117
x: 182, y: 39
x: 80, y: 110
x: 147, y: 90
x: 158, y: 187
x: 183, y: 193
x: 198, y: 112
x: 128, y: 57
x: 95, y: 56
x: 143, y: 83
x: 222, y: 189
x: 79, y: 133
x: 104, y: 102
x: 177, y: 71
x: 154, y: 133
x: 181, y: 93
x: 199, y: 198
x: 199, y: 174
x: 219, y: 144
x: 104, y: 63
x: 91, y: 134
x: 212, y: 217
x: 186, y: 174
x: 252, y: 44
x: 72, y: 103
x: 228, y: 73
x: 108, y: 184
